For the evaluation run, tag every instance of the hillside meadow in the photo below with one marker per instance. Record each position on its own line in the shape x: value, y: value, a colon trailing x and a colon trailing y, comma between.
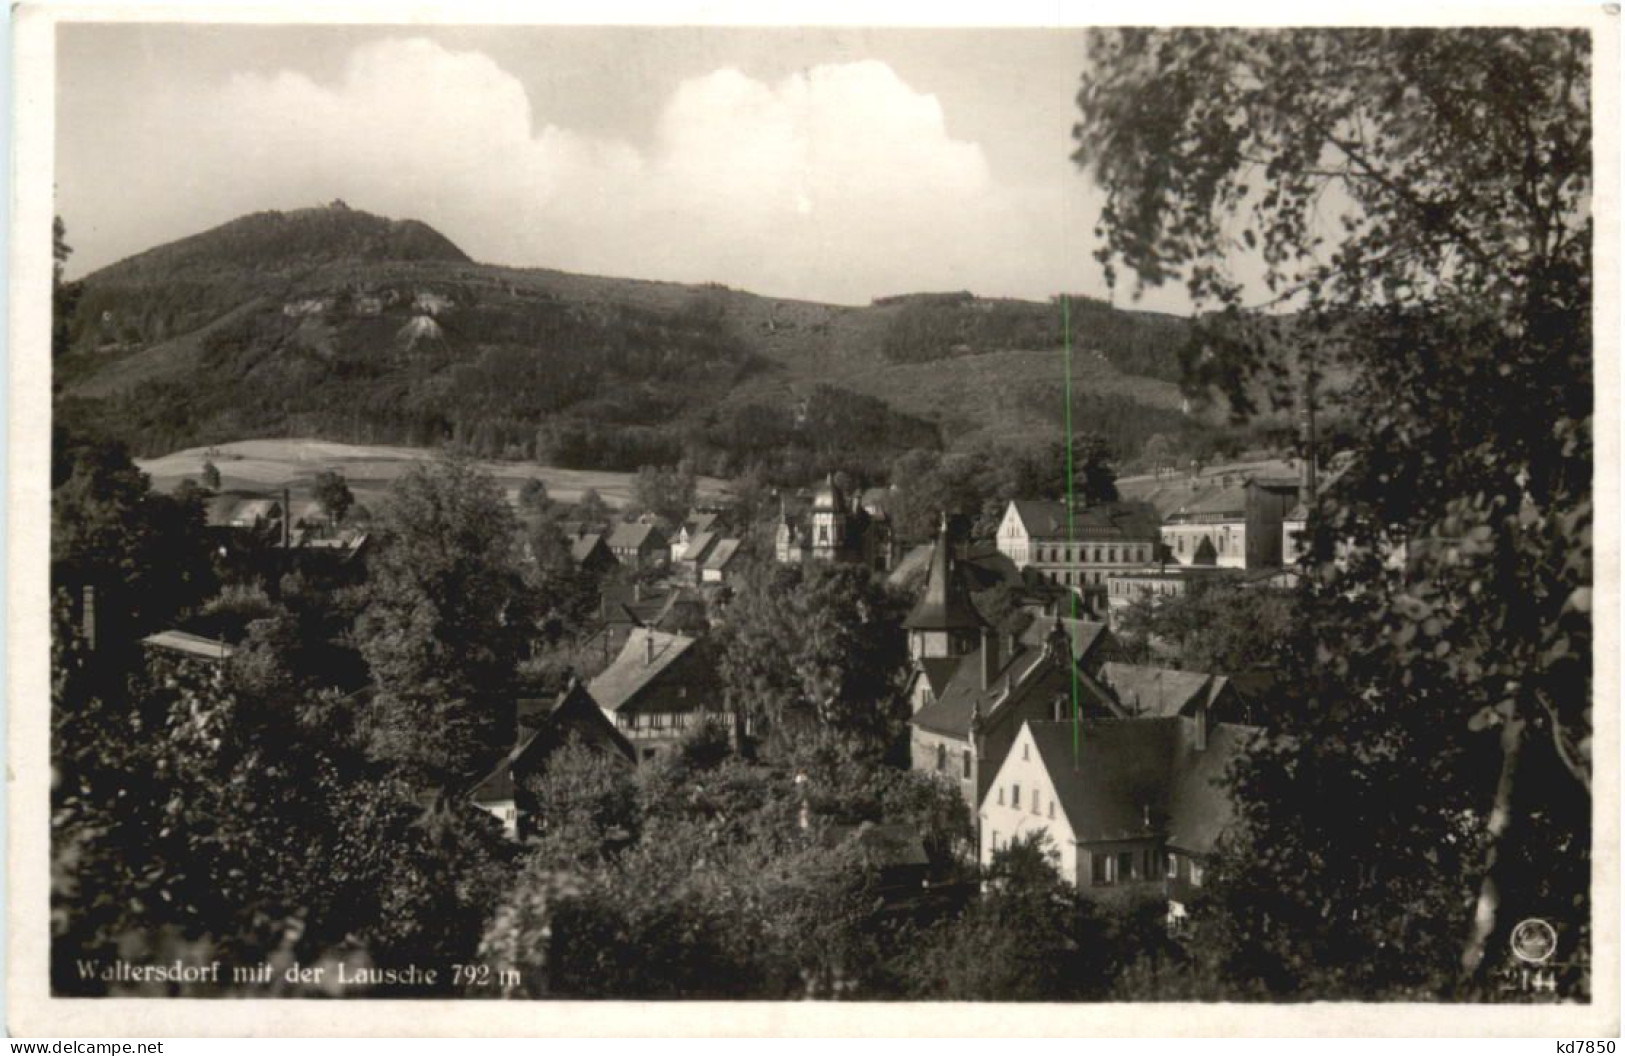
x: 269, y: 465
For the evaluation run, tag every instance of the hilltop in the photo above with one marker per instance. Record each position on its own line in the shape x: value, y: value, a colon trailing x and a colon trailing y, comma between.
x: 336, y: 323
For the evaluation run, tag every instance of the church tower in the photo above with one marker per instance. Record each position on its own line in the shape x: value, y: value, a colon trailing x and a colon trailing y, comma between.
x: 945, y: 623
x: 828, y: 523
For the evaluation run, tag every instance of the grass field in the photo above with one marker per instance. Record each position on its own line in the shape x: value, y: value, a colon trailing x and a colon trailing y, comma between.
x: 268, y: 465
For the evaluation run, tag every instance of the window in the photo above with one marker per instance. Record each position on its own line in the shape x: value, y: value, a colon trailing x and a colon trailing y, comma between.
x: 1052, y: 810
x: 993, y: 841
x: 1024, y: 755
x: 1015, y: 796
x: 1196, y: 873
x: 1035, y: 801
x: 1100, y: 869
x: 1173, y: 866
x: 1111, y: 555
x: 942, y: 758
x: 1125, y: 865
x: 1097, y: 555
x: 965, y: 759
x: 1001, y: 795
x: 1179, y: 543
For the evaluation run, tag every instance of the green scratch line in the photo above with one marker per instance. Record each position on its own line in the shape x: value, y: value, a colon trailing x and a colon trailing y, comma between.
x: 1071, y: 534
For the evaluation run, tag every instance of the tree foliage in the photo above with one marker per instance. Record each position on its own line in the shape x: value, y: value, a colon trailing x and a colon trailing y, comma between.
x: 1432, y: 787
x: 815, y: 651
x: 332, y: 491
x: 446, y: 622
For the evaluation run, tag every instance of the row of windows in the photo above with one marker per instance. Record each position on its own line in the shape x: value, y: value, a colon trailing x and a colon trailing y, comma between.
x: 1015, y: 799
x: 1127, y: 866
x: 1054, y: 553
x: 1123, y: 587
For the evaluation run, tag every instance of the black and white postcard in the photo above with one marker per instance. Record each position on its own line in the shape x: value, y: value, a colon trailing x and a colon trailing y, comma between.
x: 654, y: 525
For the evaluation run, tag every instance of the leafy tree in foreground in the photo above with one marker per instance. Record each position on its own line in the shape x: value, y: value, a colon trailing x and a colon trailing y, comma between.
x: 1434, y: 785
x: 815, y: 651
x: 445, y: 623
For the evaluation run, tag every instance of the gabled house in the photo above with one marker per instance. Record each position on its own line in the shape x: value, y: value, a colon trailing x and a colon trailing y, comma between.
x: 590, y: 553
x: 697, y: 523
x: 660, y: 686
x: 638, y: 545
x: 721, y: 562
x: 1132, y: 808
x: 572, y: 717
x: 964, y: 729
x: 693, y: 556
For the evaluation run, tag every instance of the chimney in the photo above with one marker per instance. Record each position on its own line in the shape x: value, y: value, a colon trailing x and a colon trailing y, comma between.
x: 990, y: 658
x: 648, y: 648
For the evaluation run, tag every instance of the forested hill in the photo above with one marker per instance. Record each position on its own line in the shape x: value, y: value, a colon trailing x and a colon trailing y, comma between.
x: 332, y: 322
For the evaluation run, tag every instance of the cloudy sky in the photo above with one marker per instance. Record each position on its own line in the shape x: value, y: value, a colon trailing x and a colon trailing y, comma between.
x: 828, y: 164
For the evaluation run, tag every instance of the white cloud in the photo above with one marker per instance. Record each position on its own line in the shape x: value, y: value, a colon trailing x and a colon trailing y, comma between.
x: 839, y: 182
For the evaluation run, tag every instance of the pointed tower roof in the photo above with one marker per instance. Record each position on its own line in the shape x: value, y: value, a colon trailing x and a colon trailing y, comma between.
x: 946, y: 603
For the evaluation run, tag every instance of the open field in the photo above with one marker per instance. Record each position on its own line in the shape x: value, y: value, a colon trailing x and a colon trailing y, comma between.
x: 266, y: 465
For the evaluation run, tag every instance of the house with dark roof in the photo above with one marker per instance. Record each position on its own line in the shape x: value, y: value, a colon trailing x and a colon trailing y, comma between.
x: 1145, y: 691
x: 722, y: 562
x: 971, y: 713
x: 697, y: 522
x: 660, y: 686
x: 693, y: 556
x: 1079, y: 551
x: 625, y: 608
x: 638, y: 545
x: 589, y: 552
x: 573, y: 717
x: 1131, y: 807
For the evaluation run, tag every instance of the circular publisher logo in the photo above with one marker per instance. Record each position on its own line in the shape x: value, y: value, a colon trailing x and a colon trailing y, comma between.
x: 1534, y: 941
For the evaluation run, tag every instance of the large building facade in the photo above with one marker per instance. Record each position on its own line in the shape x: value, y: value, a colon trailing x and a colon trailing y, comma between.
x: 1080, y: 552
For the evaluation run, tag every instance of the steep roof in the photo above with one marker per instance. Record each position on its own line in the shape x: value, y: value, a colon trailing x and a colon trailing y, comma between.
x: 554, y: 722
x: 645, y: 656
x: 722, y: 554
x: 1084, y: 634
x: 582, y: 546
x: 938, y: 671
x: 1111, y: 776
x: 946, y: 604
x: 626, y: 536
x: 699, y: 522
x: 1213, y: 504
x: 1018, y: 680
x: 1149, y: 691
x: 1199, y: 808
x: 1045, y: 519
x: 699, y: 544
x: 1129, y: 778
